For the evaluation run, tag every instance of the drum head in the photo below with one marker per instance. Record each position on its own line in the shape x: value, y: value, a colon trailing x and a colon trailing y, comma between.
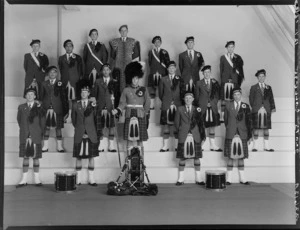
x: 59, y: 173
x: 70, y: 173
x: 215, y: 172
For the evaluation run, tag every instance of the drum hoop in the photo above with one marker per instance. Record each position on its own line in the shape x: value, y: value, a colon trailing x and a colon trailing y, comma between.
x: 215, y: 172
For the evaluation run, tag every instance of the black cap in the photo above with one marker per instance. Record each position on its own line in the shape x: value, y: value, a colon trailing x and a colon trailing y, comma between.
x: 106, y: 65
x: 51, y: 68
x: 230, y: 43
x: 236, y: 89
x: 259, y: 72
x: 171, y: 63
x: 35, y: 41
x: 68, y: 41
x: 123, y: 26
x: 92, y: 30
x: 206, y: 67
x: 191, y: 38
x: 30, y: 90
x: 186, y: 93
x: 84, y: 85
x: 156, y: 38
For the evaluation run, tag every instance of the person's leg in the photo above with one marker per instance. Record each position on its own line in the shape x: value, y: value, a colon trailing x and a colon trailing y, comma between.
x: 166, y: 138
x: 229, y: 171
x: 242, y: 172
x: 36, y: 169
x: 111, y: 137
x: 78, y: 170
x: 46, y: 140
x: 255, y: 140
x: 198, y: 178
x: 180, y: 180
x: 59, y: 140
x: 266, y: 141
x: 91, y: 168
x: 211, y: 134
x: 25, y: 172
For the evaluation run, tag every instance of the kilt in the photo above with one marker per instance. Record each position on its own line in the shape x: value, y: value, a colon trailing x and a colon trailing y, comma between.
x: 215, y: 122
x: 180, y: 150
x: 222, y: 91
x: 163, y: 118
x: 59, y: 121
x: 153, y: 83
x: 22, y: 152
x: 108, y: 122
x: 227, y: 148
x: 92, y: 150
x: 255, y: 121
x: 142, y: 126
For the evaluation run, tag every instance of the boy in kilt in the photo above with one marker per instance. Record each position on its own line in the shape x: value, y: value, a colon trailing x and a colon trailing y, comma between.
x: 86, y: 138
x: 136, y: 102
x: 232, y: 74
x: 263, y: 105
x: 70, y: 67
x: 170, y: 93
x: 35, y: 64
x: 31, y: 120
x: 207, y: 97
x: 238, y: 125
x: 107, y: 95
x: 94, y: 55
x: 53, y: 95
x: 191, y: 135
x: 158, y: 59
x: 190, y: 64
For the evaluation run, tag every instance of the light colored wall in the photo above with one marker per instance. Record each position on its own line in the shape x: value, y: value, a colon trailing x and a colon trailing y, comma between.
x: 211, y: 26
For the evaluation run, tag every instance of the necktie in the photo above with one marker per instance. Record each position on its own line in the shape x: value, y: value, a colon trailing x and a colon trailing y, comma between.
x: 188, y: 110
x: 30, y: 106
x: 262, y: 88
x: 237, y: 107
x: 207, y: 84
x: 230, y: 55
x: 52, y: 82
x: 171, y: 79
x: 190, y: 55
x: 123, y: 39
x: 84, y: 105
x: 105, y: 81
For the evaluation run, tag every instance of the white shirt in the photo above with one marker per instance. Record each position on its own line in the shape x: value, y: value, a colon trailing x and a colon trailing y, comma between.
x: 230, y: 55
x: 69, y: 55
x: 84, y: 103
x: 171, y: 76
x: 106, y: 80
x: 262, y: 85
x: 157, y: 49
x: 237, y: 103
x: 52, y: 81
x: 124, y: 39
x: 30, y: 104
x: 207, y: 81
x: 192, y: 52
x: 188, y: 108
x: 35, y: 54
x: 94, y: 42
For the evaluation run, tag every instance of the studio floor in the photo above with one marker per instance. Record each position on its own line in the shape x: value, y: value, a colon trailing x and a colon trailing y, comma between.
x: 189, y: 204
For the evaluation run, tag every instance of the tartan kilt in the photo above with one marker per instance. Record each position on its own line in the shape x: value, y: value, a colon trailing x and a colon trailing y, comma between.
x: 92, y: 148
x: 22, y: 151
x: 222, y: 91
x: 255, y: 121
x: 216, y: 120
x: 59, y: 121
x: 180, y: 150
x: 227, y: 148
x: 163, y: 118
x: 142, y: 126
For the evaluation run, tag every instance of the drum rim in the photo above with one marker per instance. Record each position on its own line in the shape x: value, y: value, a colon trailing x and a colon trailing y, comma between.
x: 215, y: 172
x: 67, y: 173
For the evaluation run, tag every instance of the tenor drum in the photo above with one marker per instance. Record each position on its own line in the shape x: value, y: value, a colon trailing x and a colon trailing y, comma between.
x: 65, y: 182
x: 216, y: 180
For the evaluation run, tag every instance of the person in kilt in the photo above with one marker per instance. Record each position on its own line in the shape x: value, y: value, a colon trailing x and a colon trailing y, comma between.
x: 35, y: 65
x: 71, y: 69
x: 170, y: 93
x: 136, y: 102
x: 191, y: 135
x: 263, y: 105
x: 158, y: 59
x: 31, y: 120
x: 86, y: 137
x: 107, y: 95
x: 53, y: 95
x: 207, y: 96
x: 238, y: 123
x: 94, y: 55
x: 231, y: 73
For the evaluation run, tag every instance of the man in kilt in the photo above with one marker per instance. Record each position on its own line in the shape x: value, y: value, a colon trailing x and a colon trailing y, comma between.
x: 170, y: 93
x: 35, y: 65
x: 238, y: 125
x: 191, y: 135
x: 71, y: 69
x: 190, y: 64
x: 232, y: 74
x: 207, y: 96
x: 31, y: 120
x: 263, y: 105
x: 94, y: 55
x: 136, y: 102
x: 158, y: 59
x: 53, y: 95
x: 107, y: 95
x: 86, y: 137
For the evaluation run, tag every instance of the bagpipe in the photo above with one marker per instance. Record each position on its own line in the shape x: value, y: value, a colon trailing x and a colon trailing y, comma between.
x: 134, y: 184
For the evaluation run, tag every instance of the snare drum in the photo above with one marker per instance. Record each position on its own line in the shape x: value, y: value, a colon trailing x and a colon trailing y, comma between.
x: 65, y: 182
x: 216, y: 180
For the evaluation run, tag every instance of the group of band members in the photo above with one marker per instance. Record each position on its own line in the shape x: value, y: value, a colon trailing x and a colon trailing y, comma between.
x: 95, y: 93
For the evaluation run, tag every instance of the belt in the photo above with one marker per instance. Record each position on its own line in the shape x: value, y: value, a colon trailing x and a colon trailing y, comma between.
x: 135, y: 106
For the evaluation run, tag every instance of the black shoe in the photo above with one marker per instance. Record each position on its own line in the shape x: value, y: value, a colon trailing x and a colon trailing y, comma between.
x: 93, y: 184
x: 45, y: 150
x: 101, y: 150
x: 245, y: 183
x: 112, y: 150
x: 221, y: 121
x: 228, y: 183
x: 175, y: 149
x: 269, y: 150
x: 254, y: 150
x: 216, y: 150
x: 79, y: 184
x: 21, y: 185
x: 152, y: 108
x: 179, y: 183
x: 200, y: 183
x: 163, y: 150
x: 61, y: 151
x: 39, y: 185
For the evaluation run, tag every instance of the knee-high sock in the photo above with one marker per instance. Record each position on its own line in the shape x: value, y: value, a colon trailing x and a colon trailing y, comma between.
x: 181, y: 170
